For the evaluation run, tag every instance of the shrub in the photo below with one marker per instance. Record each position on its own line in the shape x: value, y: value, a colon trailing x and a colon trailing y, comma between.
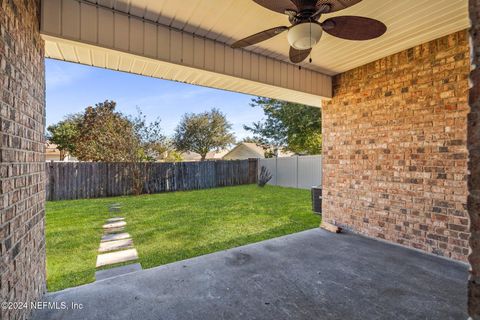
x: 264, y: 177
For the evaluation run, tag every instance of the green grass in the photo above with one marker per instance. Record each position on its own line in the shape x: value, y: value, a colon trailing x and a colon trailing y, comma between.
x: 171, y: 226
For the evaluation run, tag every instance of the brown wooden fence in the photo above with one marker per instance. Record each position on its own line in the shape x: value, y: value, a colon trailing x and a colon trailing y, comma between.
x: 79, y: 180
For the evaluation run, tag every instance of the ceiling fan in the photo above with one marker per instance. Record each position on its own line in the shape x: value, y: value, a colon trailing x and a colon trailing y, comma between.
x: 306, y: 31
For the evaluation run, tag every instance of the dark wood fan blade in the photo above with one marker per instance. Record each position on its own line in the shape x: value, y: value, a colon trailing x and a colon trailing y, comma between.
x: 305, y: 4
x: 297, y: 56
x: 354, y: 28
x: 258, y: 37
x: 277, y: 5
x: 299, y: 5
x: 337, y: 5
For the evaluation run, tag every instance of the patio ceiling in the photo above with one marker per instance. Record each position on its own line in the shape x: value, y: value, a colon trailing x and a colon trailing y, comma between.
x: 188, y: 41
x: 409, y: 22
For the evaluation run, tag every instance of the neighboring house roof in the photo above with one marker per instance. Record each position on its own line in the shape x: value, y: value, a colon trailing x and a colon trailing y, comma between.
x: 217, y: 155
x: 190, y: 156
x: 193, y: 156
x: 51, y: 146
x: 52, y: 153
x: 246, y: 150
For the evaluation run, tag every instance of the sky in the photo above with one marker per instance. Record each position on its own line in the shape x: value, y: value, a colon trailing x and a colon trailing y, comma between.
x: 72, y: 87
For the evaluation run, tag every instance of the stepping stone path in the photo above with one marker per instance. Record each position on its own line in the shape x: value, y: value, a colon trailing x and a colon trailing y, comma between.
x: 116, y: 247
x: 116, y: 257
x: 115, y: 236
x: 116, y: 224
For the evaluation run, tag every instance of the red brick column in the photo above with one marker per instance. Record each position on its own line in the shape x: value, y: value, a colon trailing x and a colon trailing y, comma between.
x: 473, y: 143
x: 22, y: 166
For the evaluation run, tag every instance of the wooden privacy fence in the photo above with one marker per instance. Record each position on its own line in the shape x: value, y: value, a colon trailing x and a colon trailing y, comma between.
x: 79, y: 180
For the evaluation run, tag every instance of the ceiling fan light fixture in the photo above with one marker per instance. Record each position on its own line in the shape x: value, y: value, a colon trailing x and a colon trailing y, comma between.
x: 304, y: 35
x: 306, y: 31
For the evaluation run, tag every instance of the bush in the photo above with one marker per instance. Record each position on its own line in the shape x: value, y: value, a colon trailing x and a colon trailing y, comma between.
x: 264, y: 177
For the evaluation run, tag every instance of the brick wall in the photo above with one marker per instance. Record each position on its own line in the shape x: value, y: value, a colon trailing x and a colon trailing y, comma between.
x: 474, y: 164
x: 395, y: 157
x: 22, y: 106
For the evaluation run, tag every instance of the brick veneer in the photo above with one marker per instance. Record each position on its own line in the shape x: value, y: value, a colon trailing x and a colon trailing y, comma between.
x: 394, y: 140
x: 474, y: 164
x: 22, y: 197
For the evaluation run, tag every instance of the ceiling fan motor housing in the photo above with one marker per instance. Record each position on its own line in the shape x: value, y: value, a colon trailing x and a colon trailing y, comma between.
x: 304, y: 35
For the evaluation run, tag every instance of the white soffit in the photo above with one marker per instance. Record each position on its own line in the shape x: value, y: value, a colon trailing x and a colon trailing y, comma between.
x: 409, y: 22
x: 78, y: 31
x: 67, y: 50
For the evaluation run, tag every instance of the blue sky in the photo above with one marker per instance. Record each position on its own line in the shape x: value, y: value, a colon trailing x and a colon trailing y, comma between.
x: 72, y: 87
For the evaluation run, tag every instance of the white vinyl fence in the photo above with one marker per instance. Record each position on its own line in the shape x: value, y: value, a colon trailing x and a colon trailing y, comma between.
x: 300, y: 172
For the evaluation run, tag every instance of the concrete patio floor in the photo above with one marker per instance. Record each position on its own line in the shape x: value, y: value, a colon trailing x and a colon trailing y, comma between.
x: 308, y: 275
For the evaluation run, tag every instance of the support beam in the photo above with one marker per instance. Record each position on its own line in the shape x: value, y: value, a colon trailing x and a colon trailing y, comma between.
x: 82, y: 32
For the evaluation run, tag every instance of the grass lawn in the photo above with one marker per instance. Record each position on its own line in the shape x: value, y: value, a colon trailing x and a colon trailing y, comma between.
x: 171, y: 226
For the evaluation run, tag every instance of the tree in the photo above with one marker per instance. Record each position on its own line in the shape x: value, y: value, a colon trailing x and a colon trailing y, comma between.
x: 172, y: 156
x: 107, y: 135
x: 203, y: 132
x: 155, y: 145
x: 251, y: 140
x: 289, y: 126
x: 101, y: 133
x: 64, y: 134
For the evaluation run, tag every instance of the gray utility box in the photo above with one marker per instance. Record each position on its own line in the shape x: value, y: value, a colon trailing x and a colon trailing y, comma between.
x: 317, y: 200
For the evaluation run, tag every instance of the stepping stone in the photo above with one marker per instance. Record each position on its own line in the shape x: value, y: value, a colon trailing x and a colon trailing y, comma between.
x: 116, y: 224
x: 113, y: 230
x: 106, y: 259
x: 114, y: 207
x: 117, y: 271
x: 115, y: 236
x: 116, y: 219
x: 115, y: 245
